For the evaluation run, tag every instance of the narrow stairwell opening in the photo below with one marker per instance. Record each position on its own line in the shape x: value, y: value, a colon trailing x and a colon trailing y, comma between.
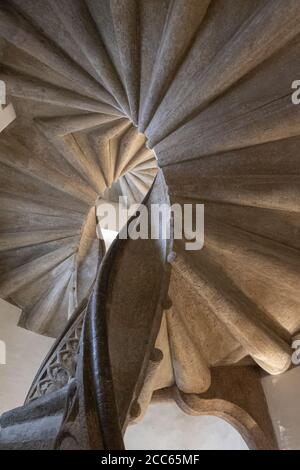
x: 120, y: 201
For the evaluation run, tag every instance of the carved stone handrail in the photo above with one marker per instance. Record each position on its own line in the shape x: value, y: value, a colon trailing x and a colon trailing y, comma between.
x: 59, y: 366
x: 108, y: 371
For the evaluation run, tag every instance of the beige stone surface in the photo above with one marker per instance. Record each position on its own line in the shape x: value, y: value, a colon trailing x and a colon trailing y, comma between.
x: 103, y: 93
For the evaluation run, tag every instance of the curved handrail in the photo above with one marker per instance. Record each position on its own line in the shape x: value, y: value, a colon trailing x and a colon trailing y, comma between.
x: 99, y: 400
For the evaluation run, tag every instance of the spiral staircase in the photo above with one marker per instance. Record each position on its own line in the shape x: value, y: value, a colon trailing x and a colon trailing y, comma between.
x: 108, y: 94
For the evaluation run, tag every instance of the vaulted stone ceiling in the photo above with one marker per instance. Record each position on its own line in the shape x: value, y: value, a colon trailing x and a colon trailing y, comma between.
x: 208, y: 84
x: 67, y: 148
